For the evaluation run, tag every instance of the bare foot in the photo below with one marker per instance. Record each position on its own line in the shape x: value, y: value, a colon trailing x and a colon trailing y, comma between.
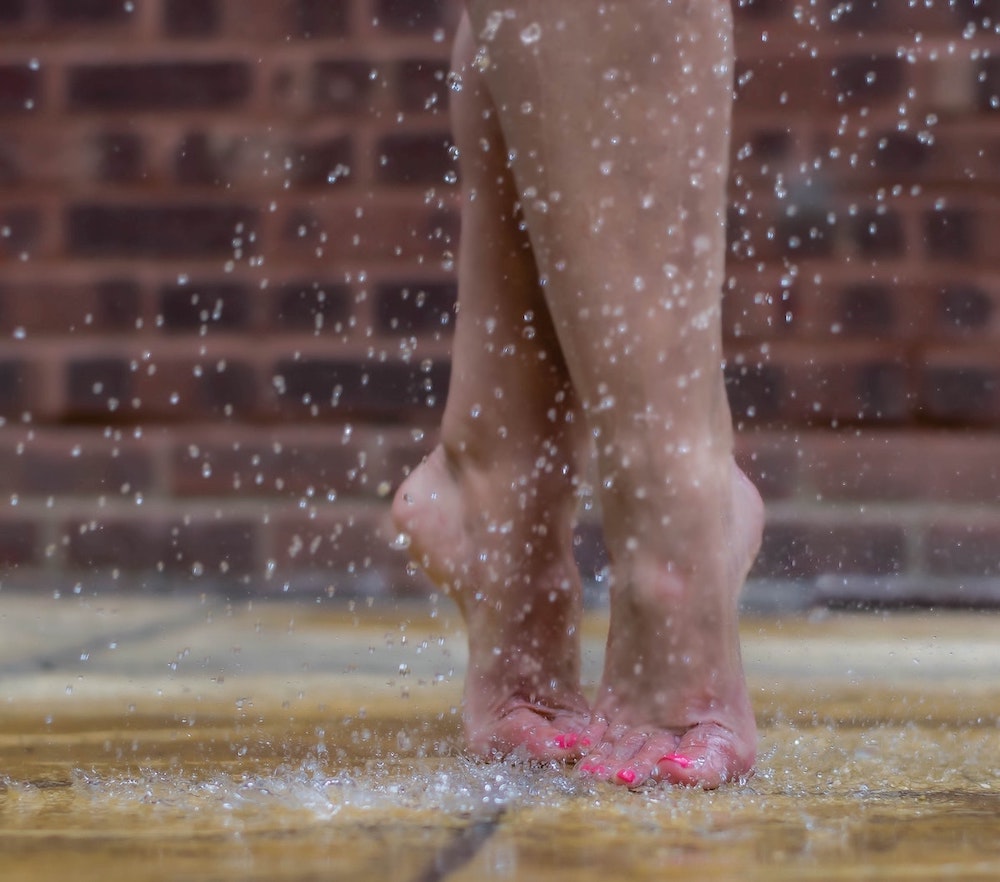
x: 515, y: 582
x: 673, y: 704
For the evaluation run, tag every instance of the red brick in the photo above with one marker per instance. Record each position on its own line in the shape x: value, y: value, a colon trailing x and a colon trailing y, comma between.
x: 342, y: 388
x: 806, y: 230
x: 796, y: 549
x: 20, y: 541
x: 752, y: 12
x: 191, y: 388
x: 880, y: 309
x: 156, y: 231
x: 902, y: 18
x: 409, y: 16
x: 790, y: 85
x: 200, y: 160
x: 40, y: 307
x: 950, y: 233
x: 10, y: 163
x: 120, y: 157
x: 191, y: 18
x: 387, y: 231
x: 192, y: 546
x: 908, y: 466
x: 420, y: 158
x: 55, y: 157
x: 342, y: 86
x: 87, y: 12
x: 310, y: 305
x: 158, y: 86
x: 867, y: 80
x: 965, y: 308
x: 254, y: 161
x: 904, y: 154
x: 888, y: 331
x: 351, y: 547
x: 961, y: 388
x: 989, y: 85
x: 422, y: 84
x: 840, y: 305
x: 322, y: 18
x: 97, y: 387
x: 756, y: 391
x: 13, y: 11
x: 15, y: 387
x: 755, y: 304
x: 202, y: 306
x: 123, y: 543
x: 771, y: 461
x: 20, y: 230
x: 757, y: 146
x: 970, y: 549
x: 323, y: 163
x: 333, y: 463
x: 226, y: 547
x: 81, y: 465
x: 844, y: 384
x: 877, y: 233
x: 415, y: 307
x: 21, y: 89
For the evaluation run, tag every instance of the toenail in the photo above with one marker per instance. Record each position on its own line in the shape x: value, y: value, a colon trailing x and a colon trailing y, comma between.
x: 585, y: 742
x: 588, y: 769
x: 676, y: 759
x: 626, y: 775
x: 565, y: 742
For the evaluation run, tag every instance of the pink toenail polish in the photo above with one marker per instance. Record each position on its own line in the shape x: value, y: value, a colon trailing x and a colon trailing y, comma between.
x: 626, y: 775
x: 585, y: 742
x: 676, y: 759
x: 565, y: 742
x: 587, y: 769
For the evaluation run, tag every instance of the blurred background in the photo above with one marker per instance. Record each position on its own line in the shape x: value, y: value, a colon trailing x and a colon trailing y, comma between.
x: 227, y: 240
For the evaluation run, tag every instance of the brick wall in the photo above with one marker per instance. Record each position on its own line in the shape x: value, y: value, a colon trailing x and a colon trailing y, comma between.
x: 226, y: 290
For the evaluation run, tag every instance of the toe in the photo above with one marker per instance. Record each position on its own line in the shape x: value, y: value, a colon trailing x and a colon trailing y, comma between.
x: 616, y: 758
x: 707, y: 756
x: 531, y: 734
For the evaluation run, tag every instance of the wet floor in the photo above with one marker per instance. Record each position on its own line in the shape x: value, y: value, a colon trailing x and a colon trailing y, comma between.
x: 146, y: 739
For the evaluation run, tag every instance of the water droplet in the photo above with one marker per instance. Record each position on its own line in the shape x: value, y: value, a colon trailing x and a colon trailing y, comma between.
x: 531, y: 34
x: 401, y: 542
x: 493, y: 22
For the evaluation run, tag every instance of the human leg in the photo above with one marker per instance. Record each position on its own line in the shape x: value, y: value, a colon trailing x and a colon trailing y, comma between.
x: 490, y: 512
x: 616, y: 115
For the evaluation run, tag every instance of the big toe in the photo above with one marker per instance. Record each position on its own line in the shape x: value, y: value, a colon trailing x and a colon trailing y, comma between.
x: 707, y: 756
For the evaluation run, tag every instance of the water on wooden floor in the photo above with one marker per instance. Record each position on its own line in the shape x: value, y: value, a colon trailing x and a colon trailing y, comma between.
x: 163, y: 740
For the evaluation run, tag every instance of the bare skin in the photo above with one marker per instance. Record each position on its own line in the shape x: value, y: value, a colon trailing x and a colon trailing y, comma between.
x: 594, y: 139
x: 490, y: 513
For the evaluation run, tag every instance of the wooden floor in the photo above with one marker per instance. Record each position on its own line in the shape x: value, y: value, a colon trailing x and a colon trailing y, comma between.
x: 146, y: 739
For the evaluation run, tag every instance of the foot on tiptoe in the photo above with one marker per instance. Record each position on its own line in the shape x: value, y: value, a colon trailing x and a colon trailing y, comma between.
x: 521, y: 609
x: 673, y: 704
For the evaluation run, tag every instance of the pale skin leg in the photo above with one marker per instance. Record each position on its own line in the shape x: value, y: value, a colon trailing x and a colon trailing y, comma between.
x: 617, y: 116
x: 490, y: 512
